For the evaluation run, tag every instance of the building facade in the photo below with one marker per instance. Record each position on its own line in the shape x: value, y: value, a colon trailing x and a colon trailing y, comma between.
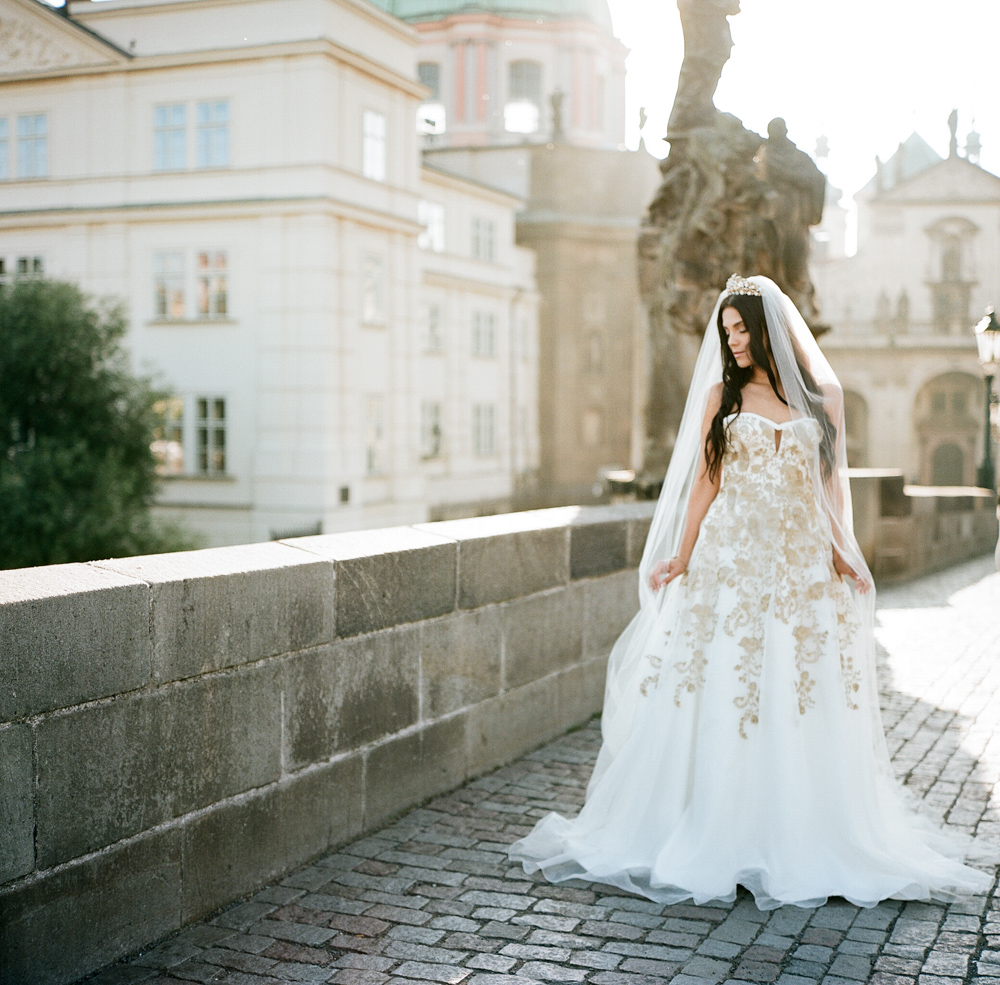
x: 334, y: 318
x: 528, y: 96
x: 902, y: 311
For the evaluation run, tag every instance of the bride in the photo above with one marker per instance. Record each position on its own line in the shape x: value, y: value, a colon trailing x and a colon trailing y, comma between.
x: 743, y: 742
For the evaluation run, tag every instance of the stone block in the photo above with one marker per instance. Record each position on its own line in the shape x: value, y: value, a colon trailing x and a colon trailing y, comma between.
x: 580, y: 692
x: 111, y: 770
x: 509, y: 555
x: 460, y: 660
x: 86, y: 915
x: 501, y: 729
x: 224, y: 606
x: 352, y: 692
x: 409, y: 769
x: 609, y: 603
x: 598, y: 542
x: 70, y: 633
x: 542, y: 634
x: 17, y: 811
x: 387, y: 577
x: 249, y: 841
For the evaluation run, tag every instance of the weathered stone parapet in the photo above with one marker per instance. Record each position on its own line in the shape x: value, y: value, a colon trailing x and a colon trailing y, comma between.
x: 905, y: 531
x: 178, y: 730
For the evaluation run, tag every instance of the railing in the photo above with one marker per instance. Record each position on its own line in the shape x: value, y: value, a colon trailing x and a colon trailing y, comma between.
x: 178, y: 730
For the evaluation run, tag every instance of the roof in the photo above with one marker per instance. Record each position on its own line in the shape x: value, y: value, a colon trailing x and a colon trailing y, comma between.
x: 595, y: 11
x: 913, y: 156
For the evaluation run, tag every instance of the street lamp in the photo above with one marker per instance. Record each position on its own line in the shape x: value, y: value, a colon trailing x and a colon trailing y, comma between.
x: 988, y: 342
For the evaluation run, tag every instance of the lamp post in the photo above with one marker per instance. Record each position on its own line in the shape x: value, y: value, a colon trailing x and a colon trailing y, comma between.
x: 988, y: 343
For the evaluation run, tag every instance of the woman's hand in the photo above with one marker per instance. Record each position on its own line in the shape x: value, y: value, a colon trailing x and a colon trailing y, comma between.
x: 844, y: 569
x: 665, y: 572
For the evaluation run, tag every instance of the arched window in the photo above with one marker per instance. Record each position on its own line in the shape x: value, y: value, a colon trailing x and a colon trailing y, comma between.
x: 431, y: 113
x: 947, y: 465
x: 593, y: 354
x: 593, y: 427
x: 522, y: 111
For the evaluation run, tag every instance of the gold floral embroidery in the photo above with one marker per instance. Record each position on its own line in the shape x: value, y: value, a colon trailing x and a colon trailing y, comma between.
x: 770, y: 506
x: 749, y: 668
x: 647, y: 683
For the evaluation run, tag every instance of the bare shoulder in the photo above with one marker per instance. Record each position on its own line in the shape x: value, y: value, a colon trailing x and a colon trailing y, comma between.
x: 714, y: 401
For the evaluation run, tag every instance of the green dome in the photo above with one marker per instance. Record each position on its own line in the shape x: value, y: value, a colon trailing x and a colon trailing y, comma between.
x: 595, y: 11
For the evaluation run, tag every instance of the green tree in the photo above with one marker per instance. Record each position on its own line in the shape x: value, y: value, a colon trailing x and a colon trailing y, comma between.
x: 77, y: 476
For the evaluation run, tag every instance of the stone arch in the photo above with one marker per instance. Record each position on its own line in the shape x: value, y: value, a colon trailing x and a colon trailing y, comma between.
x: 856, y: 428
x: 946, y: 419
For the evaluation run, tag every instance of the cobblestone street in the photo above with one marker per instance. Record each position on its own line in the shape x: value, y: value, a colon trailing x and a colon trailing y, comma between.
x: 432, y: 898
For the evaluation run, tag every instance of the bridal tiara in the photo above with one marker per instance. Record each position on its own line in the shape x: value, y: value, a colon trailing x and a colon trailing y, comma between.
x: 740, y: 285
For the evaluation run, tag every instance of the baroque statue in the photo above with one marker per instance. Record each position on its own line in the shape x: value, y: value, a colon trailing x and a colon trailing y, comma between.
x: 729, y: 201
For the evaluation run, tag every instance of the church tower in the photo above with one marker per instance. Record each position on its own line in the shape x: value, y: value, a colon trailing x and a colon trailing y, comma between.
x: 510, y: 71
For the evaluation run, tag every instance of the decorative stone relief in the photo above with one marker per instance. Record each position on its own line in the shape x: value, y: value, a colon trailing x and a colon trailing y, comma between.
x: 30, y: 47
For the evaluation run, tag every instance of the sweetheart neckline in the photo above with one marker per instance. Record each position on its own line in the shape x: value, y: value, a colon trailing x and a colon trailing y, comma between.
x: 777, y: 425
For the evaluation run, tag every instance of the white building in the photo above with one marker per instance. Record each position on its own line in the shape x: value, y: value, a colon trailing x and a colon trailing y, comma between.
x: 335, y: 319
x: 902, y: 310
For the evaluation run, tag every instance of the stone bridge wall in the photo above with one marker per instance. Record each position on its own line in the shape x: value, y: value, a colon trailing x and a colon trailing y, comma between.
x: 906, y: 531
x: 177, y: 730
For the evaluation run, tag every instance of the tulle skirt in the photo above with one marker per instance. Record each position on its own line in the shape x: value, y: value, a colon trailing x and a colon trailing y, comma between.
x: 693, y: 797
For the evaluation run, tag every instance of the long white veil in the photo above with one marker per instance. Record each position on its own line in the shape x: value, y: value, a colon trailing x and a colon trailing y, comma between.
x: 794, y: 349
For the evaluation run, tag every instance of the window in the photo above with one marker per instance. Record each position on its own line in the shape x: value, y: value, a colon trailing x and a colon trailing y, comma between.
x: 4, y: 149
x: 32, y: 146
x: 372, y: 291
x: 430, y: 429
x: 30, y: 267
x: 210, y: 434
x: 212, y: 284
x: 593, y: 357
x: 593, y: 427
x: 947, y: 465
x: 168, y: 437
x: 373, y: 146
x: 169, y: 137
x: 431, y: 114
x: 168, y: 285
x: 433, y: 337
x: 483, y: 239
x: 431, y: 216
x: 484, y: 440
x: 212, y: 146
x: 522, y: 112
x: 374, y: 436
x: 429, y: 74
x: 483, y: 333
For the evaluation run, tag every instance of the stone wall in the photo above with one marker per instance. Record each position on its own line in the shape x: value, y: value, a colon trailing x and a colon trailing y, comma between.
x: 905, y: 530
x: 178, y: 730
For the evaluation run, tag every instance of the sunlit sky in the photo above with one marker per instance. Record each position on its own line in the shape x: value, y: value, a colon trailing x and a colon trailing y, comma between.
x: 866, y: 73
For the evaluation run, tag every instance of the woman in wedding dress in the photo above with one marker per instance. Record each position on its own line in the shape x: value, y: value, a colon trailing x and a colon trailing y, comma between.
x: 743, y: 742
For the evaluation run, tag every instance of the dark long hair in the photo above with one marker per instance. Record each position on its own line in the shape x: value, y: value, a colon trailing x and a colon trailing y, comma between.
x: 734, y: 378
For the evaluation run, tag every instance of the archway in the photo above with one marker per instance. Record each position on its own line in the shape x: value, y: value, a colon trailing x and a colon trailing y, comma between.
x: 946, y: 416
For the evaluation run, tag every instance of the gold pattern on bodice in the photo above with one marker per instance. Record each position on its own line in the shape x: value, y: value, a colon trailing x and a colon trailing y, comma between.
x: 765, y: 539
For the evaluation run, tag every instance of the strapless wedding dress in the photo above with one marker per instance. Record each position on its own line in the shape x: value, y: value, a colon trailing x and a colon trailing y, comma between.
x: 749, y: 748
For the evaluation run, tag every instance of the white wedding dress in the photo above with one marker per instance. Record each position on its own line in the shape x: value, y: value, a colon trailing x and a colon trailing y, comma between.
x: 746, y: 750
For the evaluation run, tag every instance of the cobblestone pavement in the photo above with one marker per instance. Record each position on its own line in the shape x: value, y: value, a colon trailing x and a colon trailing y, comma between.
x: 433, y: 899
